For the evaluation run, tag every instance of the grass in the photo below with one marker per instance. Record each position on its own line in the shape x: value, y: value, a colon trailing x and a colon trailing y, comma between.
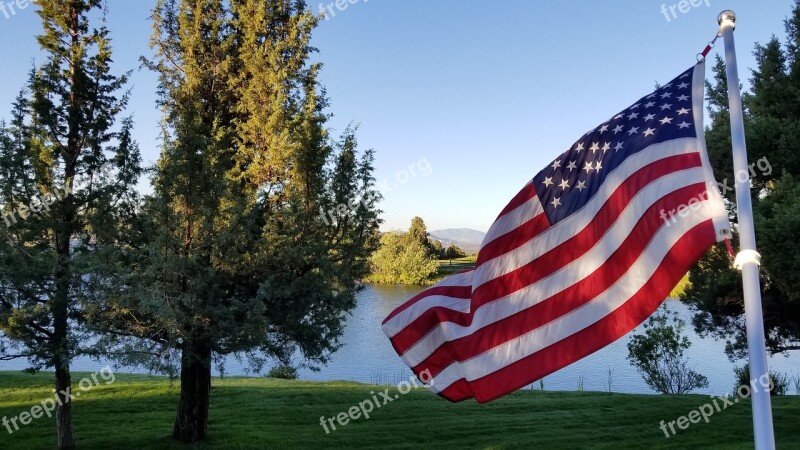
x: 136, y: 412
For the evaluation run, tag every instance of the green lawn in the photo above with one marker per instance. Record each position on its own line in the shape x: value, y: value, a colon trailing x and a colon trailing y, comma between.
x: 136, y: 412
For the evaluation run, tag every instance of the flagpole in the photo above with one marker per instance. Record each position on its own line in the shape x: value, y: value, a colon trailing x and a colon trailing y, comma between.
x: 748, y: 259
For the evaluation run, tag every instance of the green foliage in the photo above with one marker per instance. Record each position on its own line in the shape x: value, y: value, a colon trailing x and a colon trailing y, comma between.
x: 283, y: 372
x: 454, y: 252
x: 401, y: 260
x: 778, y: 383
x: 772, y: 122
x: 658, y: 355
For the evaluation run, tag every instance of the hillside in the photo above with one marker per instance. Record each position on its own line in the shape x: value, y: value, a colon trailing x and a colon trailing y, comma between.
x: 469, y: 240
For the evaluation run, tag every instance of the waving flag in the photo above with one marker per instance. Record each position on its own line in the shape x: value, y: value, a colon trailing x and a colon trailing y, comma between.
x: 578, y: 258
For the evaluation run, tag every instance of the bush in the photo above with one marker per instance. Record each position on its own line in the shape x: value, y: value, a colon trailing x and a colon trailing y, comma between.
x: 658, y: 355
x: 283, y: 372
x: 778, y: 383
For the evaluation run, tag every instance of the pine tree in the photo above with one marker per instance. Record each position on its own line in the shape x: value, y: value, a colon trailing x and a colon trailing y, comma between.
x: 235, y: 256
x: 67, y: 190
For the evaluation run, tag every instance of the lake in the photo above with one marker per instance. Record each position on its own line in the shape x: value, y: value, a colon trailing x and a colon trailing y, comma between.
x: 368, y: 357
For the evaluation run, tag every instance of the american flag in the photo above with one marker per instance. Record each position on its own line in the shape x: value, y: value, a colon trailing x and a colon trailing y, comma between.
x: 584, y: 253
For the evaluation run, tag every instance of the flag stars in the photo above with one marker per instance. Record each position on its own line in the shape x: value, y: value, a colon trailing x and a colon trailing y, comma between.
x: 649, y: 117
x: 618, y: 128
x: 633, y: 116
x: 684, y: 124
x: 618, y: 147
x: 556, y: 164
x: 666, y: 120
x: 618, y: 116
x: 595, y: 147
x: 666, y: 106
x: 579, y: 147
x: 556, y: 202
x: 588, y: 167
x: 683, y: 85
x: 571, y: 166
x: 651, y: 96
x: 548, y: 181
x: 650, y: 104
x: 666, y: 95
x: 606, y: 147
x: 649, y: 132
x: 603, y: 129
x: 598, y: 166
x: 633, y: 130
x: 564, y: 184
x: 580, y: 186
x: 683, y: 111
x: 683, y: 98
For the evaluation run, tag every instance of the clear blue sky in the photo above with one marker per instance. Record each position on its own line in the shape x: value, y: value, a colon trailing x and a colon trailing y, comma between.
x: 486, y: 93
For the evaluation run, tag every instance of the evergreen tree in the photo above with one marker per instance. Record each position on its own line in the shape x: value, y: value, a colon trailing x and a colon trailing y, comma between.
x: 772, y: 122
x: 67, y: 174
x: 235, y: 257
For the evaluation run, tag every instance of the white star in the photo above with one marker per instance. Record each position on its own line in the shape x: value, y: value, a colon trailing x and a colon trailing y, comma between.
x: 595, y: 147
x: 649, y: 132
x: 556, y: 164
x: 683, y: 98
x: 556, y: 202
x: 579, y: 147
x: 548, y: 181
x: 683, y: 111
x: 588, y: 167
x: 650, y: 104
x: 684, y: 76
x: 603, y: 129
x: 571, y: 166
x: 653, y: 95
x: 598, y: 166
x: 618, y: 147
x: 666, y: 120
x: 683, y: 85
x: 618, y: 116
x: 580, y: 186
x: 668, y: 85
x: 666, y: 95
x: 633, y: 116
x: 635, y: 106
x: 606, y: 147
x: 633, y: 131
x: 683, y: 125
x: 564, y: 184
x: 618, y: 128
x: 666, y: 106
x: 649, y: 117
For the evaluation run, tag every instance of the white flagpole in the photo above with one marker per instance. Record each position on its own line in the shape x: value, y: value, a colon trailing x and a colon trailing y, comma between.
x: 748, y: 258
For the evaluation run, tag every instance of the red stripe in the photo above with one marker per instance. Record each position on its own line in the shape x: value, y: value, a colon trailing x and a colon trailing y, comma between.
x: 514, y: 376
x: 524, y: 195
x: 565, y: 301
x: 447, y: 291
x: 557, y: 257
x: 513, y: 239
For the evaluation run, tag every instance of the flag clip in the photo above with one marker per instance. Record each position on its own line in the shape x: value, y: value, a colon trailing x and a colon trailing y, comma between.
x: 746, y: 257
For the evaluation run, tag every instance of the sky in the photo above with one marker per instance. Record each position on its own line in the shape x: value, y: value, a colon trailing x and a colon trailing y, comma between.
x: 463, y: 101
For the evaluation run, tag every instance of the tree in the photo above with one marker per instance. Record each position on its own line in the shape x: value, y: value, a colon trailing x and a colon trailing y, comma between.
x: 772, y: 121
x: 658, y: 355
x: 453, y: 252
x: 418, y: 232
x: 235, y: 257
x: 67, y: 187
x: 438, y: 250
x: 400, y: 260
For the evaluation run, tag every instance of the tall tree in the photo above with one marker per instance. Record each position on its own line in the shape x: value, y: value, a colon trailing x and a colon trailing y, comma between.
x: 67, y: 174
x: 772, y: 120
x: 236, y: 257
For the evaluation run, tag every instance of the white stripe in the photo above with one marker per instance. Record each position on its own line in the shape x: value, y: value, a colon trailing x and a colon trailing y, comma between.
x: 558, y: 281
x: 408, y: 315
x: 601, y: 306
x: 564, y: 230
x: 511, y: 220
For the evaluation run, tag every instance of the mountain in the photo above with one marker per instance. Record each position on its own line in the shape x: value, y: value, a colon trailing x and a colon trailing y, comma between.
x: 469, y: 240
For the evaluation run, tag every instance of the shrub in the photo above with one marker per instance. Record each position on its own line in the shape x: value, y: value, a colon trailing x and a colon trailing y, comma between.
x: 284, y: 372
x: 778, y: 382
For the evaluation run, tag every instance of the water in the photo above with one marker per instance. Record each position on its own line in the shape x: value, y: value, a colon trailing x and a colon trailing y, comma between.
x: 368, y: 357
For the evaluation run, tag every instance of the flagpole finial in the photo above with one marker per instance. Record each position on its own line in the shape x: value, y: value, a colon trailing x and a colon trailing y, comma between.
x: 726, y: 16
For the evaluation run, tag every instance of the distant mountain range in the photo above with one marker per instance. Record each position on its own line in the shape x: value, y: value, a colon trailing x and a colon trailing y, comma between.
x: 467, y: 239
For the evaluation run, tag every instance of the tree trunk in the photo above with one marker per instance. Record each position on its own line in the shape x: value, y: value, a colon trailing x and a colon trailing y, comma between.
x: 191, y: 422
x: 66, y: 434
